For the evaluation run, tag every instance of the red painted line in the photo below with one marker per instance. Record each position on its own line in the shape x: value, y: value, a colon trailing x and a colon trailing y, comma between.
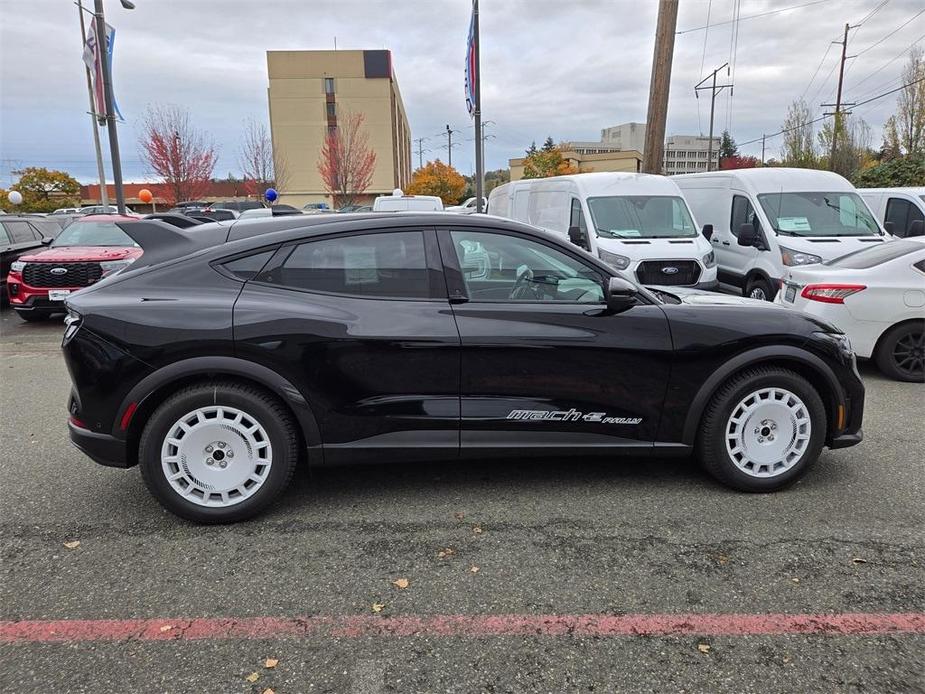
x: 355, y: 626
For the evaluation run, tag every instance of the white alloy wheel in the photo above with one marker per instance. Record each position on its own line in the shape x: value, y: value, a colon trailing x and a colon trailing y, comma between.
x: 768, y: 432
x: 216, y: 456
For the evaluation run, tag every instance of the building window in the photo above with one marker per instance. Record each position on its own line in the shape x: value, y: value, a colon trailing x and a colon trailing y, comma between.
x: 331, y: 109
x: 328, y: 85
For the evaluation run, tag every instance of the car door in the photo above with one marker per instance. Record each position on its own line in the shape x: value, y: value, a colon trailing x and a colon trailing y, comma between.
x: 360, y: 323
x: 545, y: 368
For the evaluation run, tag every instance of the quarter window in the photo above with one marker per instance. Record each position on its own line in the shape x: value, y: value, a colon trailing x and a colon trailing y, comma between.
x: 246, y: 268
x: 503, y: 268
x: 385, y: 265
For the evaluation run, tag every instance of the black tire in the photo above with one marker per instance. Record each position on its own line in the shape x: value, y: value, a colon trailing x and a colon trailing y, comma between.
x: 901, y: 352
x: 759, y: 288
x: 711, y: 444
x: 33, y: 316
x: 261, y: 407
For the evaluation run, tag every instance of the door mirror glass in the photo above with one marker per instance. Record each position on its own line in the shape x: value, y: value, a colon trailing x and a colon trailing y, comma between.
x: 748, y: 236
x: 576, y: 236
x: 620, y: 294
x: 916, y: 228
x: 47, y: 240
x: 707, y: 231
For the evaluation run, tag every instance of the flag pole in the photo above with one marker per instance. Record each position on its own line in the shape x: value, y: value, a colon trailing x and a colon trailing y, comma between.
x: 477, y: 113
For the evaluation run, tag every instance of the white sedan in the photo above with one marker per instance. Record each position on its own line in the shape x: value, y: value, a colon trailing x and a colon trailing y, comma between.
x: 876, y: 296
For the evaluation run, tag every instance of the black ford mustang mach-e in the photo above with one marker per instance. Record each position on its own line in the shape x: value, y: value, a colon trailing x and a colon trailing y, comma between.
x: 229, y: 352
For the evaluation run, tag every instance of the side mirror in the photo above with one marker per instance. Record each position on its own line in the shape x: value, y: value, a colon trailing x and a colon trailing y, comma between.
x: 46, y: 241
x: 890, y: 228
x: 620, y: 294
x: 576, y: 237
x: 707, y: 231
x: 748, y: 236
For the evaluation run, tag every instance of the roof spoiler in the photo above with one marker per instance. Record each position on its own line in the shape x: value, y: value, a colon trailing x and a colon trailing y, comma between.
x: 161, y: 241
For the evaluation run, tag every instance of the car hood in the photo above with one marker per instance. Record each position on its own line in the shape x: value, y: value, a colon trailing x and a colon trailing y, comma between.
x: 698, y: 297
x: 81, y: 254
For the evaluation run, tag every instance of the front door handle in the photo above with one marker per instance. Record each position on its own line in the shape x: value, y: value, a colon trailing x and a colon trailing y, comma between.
x: 725, y: 243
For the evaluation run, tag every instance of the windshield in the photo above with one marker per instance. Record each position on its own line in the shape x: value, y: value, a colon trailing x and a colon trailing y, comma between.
x: 93, y: 234
x: 641, y: 217
x: 818, y: 214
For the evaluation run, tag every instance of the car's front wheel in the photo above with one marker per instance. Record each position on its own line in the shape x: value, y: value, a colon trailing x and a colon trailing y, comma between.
x: 762, y: 429
x: 218, y: 452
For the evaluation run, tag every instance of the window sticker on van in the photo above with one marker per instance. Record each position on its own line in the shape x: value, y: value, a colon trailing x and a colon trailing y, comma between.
x: 793, y: 224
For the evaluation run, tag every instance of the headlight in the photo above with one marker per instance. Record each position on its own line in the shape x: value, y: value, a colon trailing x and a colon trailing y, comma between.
x: 709, y: 260
x: 620, y: 262
x: 792, y: 257
x: 17, y: 266
x: 71, y: 325
x: 111, y: 267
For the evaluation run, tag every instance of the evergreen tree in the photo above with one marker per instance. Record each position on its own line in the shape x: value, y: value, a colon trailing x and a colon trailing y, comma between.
x: 727, y: 147
x: 549, y: 145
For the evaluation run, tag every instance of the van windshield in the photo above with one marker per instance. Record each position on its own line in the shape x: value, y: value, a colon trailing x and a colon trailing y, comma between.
x: 641, y: 217
x: 818, y: 214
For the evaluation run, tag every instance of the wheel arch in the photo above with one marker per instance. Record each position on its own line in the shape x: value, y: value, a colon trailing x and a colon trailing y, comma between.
x: 151, y: 391
x: 886, y: 331
x: 808, y: 365
x: 758, y: 272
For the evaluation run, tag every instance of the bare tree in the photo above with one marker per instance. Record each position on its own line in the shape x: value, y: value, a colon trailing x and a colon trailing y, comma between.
x: 177, y: 152
x: 347, y: 163
x: 260, y: 162
x: 905, y: 132
x: 798, y: 149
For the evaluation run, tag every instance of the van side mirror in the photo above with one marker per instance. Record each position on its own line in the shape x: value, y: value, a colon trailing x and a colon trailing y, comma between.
x: 576, y: 237
x: 890, y: 228
x: 707, y: 231
x: 748, y: 236
x: 620, y: 294
x: 916, y: 228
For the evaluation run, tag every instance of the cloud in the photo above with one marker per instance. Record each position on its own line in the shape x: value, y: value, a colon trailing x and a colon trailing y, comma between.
x: 565, y: 69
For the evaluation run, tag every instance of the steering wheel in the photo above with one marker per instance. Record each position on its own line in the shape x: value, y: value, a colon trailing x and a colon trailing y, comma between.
x: 523, y: 287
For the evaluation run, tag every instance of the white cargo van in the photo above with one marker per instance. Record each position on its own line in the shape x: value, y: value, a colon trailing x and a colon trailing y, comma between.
x: 637, y: 223
x: 900, y: 210
x: 767, y: 219
x: 399, y: 202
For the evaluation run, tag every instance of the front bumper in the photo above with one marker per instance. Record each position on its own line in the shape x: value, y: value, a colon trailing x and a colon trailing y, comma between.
x: 104, y: 449
x: 26, y: 298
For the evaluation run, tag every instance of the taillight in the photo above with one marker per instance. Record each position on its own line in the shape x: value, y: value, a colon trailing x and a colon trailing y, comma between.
x: 830, y: 293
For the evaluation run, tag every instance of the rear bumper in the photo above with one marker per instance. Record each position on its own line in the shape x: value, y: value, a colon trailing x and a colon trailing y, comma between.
x: 104, y: 449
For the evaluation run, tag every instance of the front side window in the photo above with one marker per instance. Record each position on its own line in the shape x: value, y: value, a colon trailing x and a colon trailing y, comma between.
x: 743, y: 213
x: 818, y: 214
x: 577, y: 217
x: 641, y: 217
x: 385, y: 265
x: 902, y: 213
x: 503, y: 268
x: 93, y: 234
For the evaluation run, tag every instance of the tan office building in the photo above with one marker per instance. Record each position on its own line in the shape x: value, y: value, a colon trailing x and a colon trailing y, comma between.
x: 309, y: 91
x: 599, y: 160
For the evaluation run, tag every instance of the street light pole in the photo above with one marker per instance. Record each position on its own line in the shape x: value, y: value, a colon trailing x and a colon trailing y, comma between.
x: 102, y: 47
x: 104, y: 193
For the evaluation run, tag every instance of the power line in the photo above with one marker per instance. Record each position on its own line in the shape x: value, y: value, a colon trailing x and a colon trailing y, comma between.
x: 891, y: 60
x: 871, y: 14
x: 734, y: 40
x: 703, y: 58
x: 873, y: 45
x: 753, y: 16
x: 818, y: 67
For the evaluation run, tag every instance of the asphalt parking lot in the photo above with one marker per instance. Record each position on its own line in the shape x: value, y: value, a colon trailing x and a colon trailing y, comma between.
x: 521, y: 576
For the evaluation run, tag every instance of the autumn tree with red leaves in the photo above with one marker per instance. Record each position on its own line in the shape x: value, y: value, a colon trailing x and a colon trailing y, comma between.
x: 347, y: 163
x: 182, y: 155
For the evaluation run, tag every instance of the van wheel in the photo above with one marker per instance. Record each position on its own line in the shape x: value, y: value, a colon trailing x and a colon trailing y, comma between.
x: 762, y: 430
x: 759, y: 288
x: 901, y: 352
x: 218, y: 452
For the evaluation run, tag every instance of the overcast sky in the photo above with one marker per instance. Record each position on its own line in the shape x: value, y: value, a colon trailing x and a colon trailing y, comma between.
x: 565, y: 68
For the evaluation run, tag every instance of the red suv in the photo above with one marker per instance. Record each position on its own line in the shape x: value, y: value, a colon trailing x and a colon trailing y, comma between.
x: 87, y: 250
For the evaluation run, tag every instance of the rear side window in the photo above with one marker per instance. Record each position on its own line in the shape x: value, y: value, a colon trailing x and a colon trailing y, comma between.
x: 4, y: 237
x: 384, y: 265
x: 20, y: 232
x: 246, y: 268
x: 49, y: 229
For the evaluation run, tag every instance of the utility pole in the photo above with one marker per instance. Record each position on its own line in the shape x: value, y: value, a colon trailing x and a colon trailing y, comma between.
x: 836, y: 126
x: 101, y: 172
x: 110, y: 109
x: 762, y: 149
x: 421, y: 150
x: 449, y: 144
x: 657, y: 112
x: 477, y: 114
x: 714, y: 90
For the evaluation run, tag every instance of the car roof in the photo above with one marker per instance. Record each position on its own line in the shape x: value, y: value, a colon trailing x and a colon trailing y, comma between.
x: 777, y: 179
x: 911, y: 190
x: 103, y: 218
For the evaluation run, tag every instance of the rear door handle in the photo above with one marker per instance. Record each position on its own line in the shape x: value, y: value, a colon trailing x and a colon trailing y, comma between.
x: 725, y: 243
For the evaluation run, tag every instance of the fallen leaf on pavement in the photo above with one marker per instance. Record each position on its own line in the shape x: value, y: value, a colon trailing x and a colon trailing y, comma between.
x: 477, y: 529
x: 378, y: 607
x: 795, y: 580
x: 268, y: 691
x: 459, y: 515
x: 446, y: 552
x: 473, y: 569
x: 400, y: 583
x: 786, y: 659
x: 166, y: 627
x: 722, y: 558
x: 253, y: 677
x: 72, y: 544
x: 271, y: 662
x: 858, y: 560
x: 703, y: 647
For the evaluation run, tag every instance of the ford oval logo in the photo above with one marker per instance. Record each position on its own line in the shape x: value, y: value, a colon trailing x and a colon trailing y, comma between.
x: 58, y: 271
x: 670, y: 270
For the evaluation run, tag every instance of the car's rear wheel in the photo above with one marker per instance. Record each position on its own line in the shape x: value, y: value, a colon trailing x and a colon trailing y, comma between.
x: 32, y: 316
x: 759, y: 288
x: 901, y: 352
x: 762, y: 429
x: 218, y: 452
